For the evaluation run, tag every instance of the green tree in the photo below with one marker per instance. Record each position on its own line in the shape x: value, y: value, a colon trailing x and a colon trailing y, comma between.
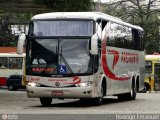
x: 67, y: 5
x: 7, y: 37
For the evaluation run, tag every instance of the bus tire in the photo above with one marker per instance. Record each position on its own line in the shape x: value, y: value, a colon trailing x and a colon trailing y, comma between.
x: 132, y: 94
x: 99, y: 100
x: 46, y: 101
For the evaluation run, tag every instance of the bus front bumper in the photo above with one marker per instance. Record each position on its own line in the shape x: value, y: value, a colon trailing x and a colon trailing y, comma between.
x: 70, y: 92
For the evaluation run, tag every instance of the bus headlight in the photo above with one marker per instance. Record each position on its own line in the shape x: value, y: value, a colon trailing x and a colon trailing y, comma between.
x: 32, y: 84
x: 84, y: 84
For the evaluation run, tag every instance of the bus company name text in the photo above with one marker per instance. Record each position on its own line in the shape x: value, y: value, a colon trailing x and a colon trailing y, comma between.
x: 132, y: 58
x: 57, y: 80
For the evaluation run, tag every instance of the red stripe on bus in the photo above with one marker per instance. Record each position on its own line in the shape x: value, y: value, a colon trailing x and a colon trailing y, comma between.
x: 116, y: 57
x: 106, y: 69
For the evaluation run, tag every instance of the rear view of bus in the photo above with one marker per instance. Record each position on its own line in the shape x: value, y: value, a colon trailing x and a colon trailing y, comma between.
x: 65, y: 58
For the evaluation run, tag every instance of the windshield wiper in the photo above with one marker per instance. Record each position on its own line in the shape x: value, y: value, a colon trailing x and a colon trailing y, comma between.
x: 66, y: 63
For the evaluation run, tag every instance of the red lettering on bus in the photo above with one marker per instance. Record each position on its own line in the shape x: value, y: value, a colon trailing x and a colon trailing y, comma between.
x: 34, y: 79
x: 132, y: 58
x: 57, y: 80
x: 38, y: 69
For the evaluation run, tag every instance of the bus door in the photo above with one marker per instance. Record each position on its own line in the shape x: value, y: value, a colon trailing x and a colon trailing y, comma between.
x: 157, y: 76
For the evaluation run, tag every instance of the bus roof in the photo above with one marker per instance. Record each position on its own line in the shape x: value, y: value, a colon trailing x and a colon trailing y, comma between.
x: 82, y: 15
x: 152, y: 57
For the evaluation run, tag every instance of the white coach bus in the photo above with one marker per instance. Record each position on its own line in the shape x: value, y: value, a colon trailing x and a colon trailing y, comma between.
x: 83, y: 55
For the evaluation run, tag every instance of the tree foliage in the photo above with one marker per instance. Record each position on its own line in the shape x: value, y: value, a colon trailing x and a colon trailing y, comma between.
x: 67, y: 5
x: 7, y: 36
x: 140, y: 12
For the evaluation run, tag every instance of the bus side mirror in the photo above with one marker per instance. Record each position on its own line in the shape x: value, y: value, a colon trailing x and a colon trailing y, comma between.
x: 20, y: 44
x: 94, y: 45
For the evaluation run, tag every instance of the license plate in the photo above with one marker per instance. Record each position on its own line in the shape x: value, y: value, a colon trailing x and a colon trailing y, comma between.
x: 57, y: 93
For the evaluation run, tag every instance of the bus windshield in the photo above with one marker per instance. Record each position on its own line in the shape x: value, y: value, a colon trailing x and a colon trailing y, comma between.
x: 59, y: 56
x: 62, y: 28
x: 61, y: 46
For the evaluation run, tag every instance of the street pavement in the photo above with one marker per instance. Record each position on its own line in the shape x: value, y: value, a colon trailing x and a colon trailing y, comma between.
x: 17, y: 102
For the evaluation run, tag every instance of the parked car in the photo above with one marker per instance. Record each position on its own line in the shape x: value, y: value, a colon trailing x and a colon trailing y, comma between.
x: 14, y: 82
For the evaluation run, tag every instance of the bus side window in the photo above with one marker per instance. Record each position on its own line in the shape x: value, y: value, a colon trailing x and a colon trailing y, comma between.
x: 15, y: 63
x: 137, y: 40
x: 3, y: 63
x: 15, y: 66
x: 2, y: 66
x: 141, y: 40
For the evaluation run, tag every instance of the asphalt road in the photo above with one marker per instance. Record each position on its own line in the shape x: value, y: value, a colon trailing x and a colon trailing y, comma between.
x: 17, y: 104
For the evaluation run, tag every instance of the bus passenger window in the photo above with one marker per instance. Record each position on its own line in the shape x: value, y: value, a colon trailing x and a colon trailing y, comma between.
x: 3, y: 63
x: 15, y: 66
x: 15, y: 63
x: 2, y: 66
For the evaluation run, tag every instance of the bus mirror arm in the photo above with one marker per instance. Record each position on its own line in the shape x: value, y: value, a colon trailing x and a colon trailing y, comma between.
x: 20, y: 44
x: 94, y: 45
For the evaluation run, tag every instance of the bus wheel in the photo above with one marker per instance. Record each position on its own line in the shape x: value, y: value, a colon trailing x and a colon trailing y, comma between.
x: 99, y: 100
x: 46, y: 101
x: 132, y: 94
